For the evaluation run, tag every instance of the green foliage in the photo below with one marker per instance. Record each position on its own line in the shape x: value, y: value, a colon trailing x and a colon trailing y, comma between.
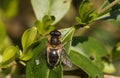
x: 91, y: 49
x: 109, y: 68
x: 28, y: 41
x: 89, y: 52
x: 8, y: 56
x: 84, y: 52
x: 37, y: 66
x: 34, y: 69
x: 86, y: 13
x: 57, y: 8
x: 85, y: 64
x: 29, y: 36
x: 67, y: 35
x: 45, y: 26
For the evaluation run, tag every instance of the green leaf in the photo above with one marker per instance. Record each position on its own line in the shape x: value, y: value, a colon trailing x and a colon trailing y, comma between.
x: 86, y: 12
x: 85, y: 64
x: 29, y: 36
x: 37, y: 66
x: 48, y: 20
x: 109, y: 68
x: 45, y: 26
x: 67, y: 35
x: 27, y: 56
x: 40, y: 27
x: 57, y: 8
x: 80, y: 21
x: 84, y: 8
x: 57, y: 72
x: 90, y: 46
x: 9, y: 53
x: 27, y: 53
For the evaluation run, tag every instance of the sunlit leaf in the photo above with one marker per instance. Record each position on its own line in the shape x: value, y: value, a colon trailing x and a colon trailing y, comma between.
x: 85, y: 64
x: 67, y: 35
x: 27, y: 56
x: 90, y: 46
x: 9, y: 53
x: 109, y: 68
x: 29, y: 36
x: 57, y: 8
x: 45, y: 26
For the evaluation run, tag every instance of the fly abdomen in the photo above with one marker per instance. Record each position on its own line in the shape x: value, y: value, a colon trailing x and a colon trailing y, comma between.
x: 53, y: 57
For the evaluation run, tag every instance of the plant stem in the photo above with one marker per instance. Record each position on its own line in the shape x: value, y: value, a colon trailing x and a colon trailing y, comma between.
x: 108, y: 7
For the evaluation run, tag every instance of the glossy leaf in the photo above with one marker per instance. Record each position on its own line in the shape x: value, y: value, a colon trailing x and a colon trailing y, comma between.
x: 67, y: 35
x: 27, y: 56
x: 85, y: 64
x: 29, y: 36
x: 27, y: 53
x: 9, y: 53
x: 57, y: 8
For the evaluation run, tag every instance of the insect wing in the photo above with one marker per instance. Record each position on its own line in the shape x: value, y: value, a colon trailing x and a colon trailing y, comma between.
x: 65, y: 59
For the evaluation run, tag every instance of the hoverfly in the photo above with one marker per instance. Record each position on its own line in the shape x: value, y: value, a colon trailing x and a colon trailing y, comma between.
x: 55, y: 51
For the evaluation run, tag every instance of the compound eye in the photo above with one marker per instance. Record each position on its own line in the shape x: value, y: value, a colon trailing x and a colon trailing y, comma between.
x: 55, y: 33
